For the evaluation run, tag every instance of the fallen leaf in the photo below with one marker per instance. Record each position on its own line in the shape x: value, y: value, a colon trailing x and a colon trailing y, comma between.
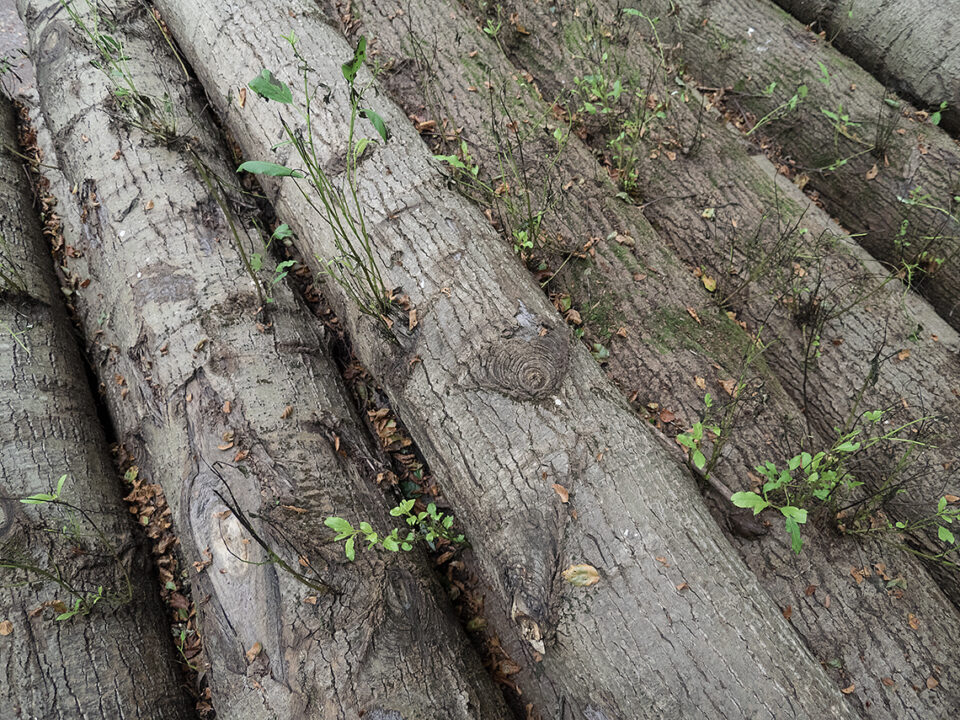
x: 872, y: 172
x: 287, y: 412
x: 6, y: 627
x: 932, y: 682
x: 903, y: 354
x: 310, y: 599
x: 253, y: 652
x: 227, y: 407
x: 788, y: 612
x: 683, y: 586
x: 666, y: 416
x: 811, y: 589
x: 826, y: 602
x: 693, y: 314
x: 700, y: 382
x: 625, y: 240
x: 149, y: 205
x: 242, y: 97
x: 912, y: 621
x: 708, y: 213
x: 581, y: 575
x: 116, y: 155
x: 573, y: 317
x: 562, y: 492
x: 662, y: 561
x: 951, y: 498
x: 225, y: 446
x: 709, y: 283
x: 887, y: 681
x: 848, y: 690
x: 729, y: 386
x: 412, y: 319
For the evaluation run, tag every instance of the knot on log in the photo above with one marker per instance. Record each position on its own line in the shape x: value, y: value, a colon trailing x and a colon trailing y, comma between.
x: 529, y: 362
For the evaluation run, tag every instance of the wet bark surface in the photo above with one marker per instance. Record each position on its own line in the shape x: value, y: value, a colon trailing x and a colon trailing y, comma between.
x: 234, y: 412
x: 117, y: 660
x: 780, y: 264
x: 503, y: 406
x: 915, y: 47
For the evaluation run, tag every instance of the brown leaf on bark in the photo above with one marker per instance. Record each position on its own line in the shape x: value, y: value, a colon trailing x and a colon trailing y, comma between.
x: 666, y: 416
x: 562, y: 492
x: 848, y: 690
x: 932, y: 682
x: 788, y: 612
x: 581, y: 575
x: 6, y: 627
x: 872, y: 172
x: 912, y: 621
x: 253, y: 652
x: 887, y: 681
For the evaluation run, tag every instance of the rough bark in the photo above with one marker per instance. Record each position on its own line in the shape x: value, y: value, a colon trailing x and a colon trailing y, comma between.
x: 913, y: 47
x: 711, y: 202
x: 117, y: 661
x: 429, y: 48
x: 859, y: 172
x: 503, y: 407
x: 235, y: 417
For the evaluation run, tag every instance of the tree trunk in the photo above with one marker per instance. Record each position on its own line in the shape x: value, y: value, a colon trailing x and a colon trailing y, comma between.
x: 860, y: 170
x: 117, y: 660
x: 232, y: 411
x: 913, y: 47
x: 503, y: 407
x: 722, y: 212
x: 861, y: 623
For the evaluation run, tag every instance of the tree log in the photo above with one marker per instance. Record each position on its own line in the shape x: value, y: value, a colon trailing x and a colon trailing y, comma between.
x: 722, y: 212
x: 233, y: 411
x: 117, y: 659
x: 914, y: 48
x: 861, y: 168
x: 430, y: 47
x: 503, y: 407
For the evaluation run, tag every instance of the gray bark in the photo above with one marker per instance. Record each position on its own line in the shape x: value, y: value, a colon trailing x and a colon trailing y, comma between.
x: 747, y: 208
x: 744, y: 46
x: 503, y: 406
x: 117, y: 661
x: 915, y: 47
x: 172, y: 328
x: 862, y: 623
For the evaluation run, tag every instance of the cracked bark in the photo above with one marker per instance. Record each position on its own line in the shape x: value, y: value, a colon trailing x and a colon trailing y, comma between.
x: 743, y: 193
x: 915, y: 48
x: 749, y: 45
x: 170, y: 320
x: 503, y: 405
x: 862, y: 624
x: 116, y: 662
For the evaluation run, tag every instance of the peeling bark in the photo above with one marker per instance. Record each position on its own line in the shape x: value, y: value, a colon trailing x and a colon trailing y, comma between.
x: 860, y: 171
x: 503, y: 406
x: 117, y: 661
x: 430, y: 47
x: 234, y: 417
x: 712, y: 201
x: 914, y: 47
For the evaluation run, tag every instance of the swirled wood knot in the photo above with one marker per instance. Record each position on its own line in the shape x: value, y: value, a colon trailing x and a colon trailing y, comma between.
x: 528, y: 362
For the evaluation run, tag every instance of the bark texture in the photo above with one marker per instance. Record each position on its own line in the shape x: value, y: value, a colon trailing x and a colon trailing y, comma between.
x: 234, y: 413
x: 431, y: 47
x: 503, y: 406
x: 860, y: 169
x: 117, y: 661
x: 721, y: 211
x: 913, y: 47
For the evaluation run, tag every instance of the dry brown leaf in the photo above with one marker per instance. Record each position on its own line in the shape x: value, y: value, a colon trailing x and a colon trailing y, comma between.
x: 581, y: 575
x: 729, y: 386
x: 951, y: 498
x: 693, y: 314
x: 872, y: 172
x: 666, y: 416
x: 573, y: 317
x: 6, y: 627
x: 310, y: 599
x: 562, y: 492
x: 242, y: 97
x: 932, y: 682
x: 887, y: 681
x: 848, y: 690
x: 662, y: 561
x: 287, y: 412
x: 412, y: 319
x: 227, y: 407
x: 912, y: 621
x: 253, y: 652
x: 700, y: 382
x: 683, y: 586
x: 811, y: 589
x: 148, y: 206
x: 903, y: 354
x: 787, y: 612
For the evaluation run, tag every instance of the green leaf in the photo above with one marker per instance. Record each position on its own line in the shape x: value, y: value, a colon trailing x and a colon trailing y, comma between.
x: 338, y: 524
x: 848, y: 447
x: 352, y: 67
x: 699, y: 461
x: 391, y: 544
x: 945, y: 535
x: 348, y: 549
x: 873, y: 415
x: 365, y: 528
x: 257, y: 167
x: 406, y: 546
x: 797, y: 514
x: 796, y: 542
x: 749, y: 500
x: 360, y: 147
x: 256, y: 262
x: 60, y: 482
x: 448, y: 522
x: 935, y: 118
x: 67, y: 615
x: 269, y: 87
x: 942, y: 505
x: 376, y: 121
x: 37, y: 499
x: 407, y: 505
x: 282, y: 232
x: 686, y: 441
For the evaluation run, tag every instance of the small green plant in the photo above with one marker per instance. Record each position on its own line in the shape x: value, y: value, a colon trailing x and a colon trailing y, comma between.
x: 430, y: 524
x: 781, y: 110
x: 355, y: 268
x: 693, y: 439
x: 936, y: 114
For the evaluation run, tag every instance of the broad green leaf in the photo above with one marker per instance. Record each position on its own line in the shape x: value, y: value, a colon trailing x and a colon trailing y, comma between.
x: 256, y: 262
x: 448, y: 522
x: 60, y: 482
x: 945, y: 535
x: 37, y: 499
x: 352, y: 67
x: 267, y: 86
x: 365, y: 528
x: 794, y: 513
x: 348, y: 549
x: 796, y: 542
x: 391, y: 544
x: 338, y: 524
x: 282, y: 232
x: 699, y: 461
x: 935, y: 118
x: 942, y: 505
x: 749, y: 500
x: 376, y: 121
x: 848, y: 447
x: 257, y: 167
